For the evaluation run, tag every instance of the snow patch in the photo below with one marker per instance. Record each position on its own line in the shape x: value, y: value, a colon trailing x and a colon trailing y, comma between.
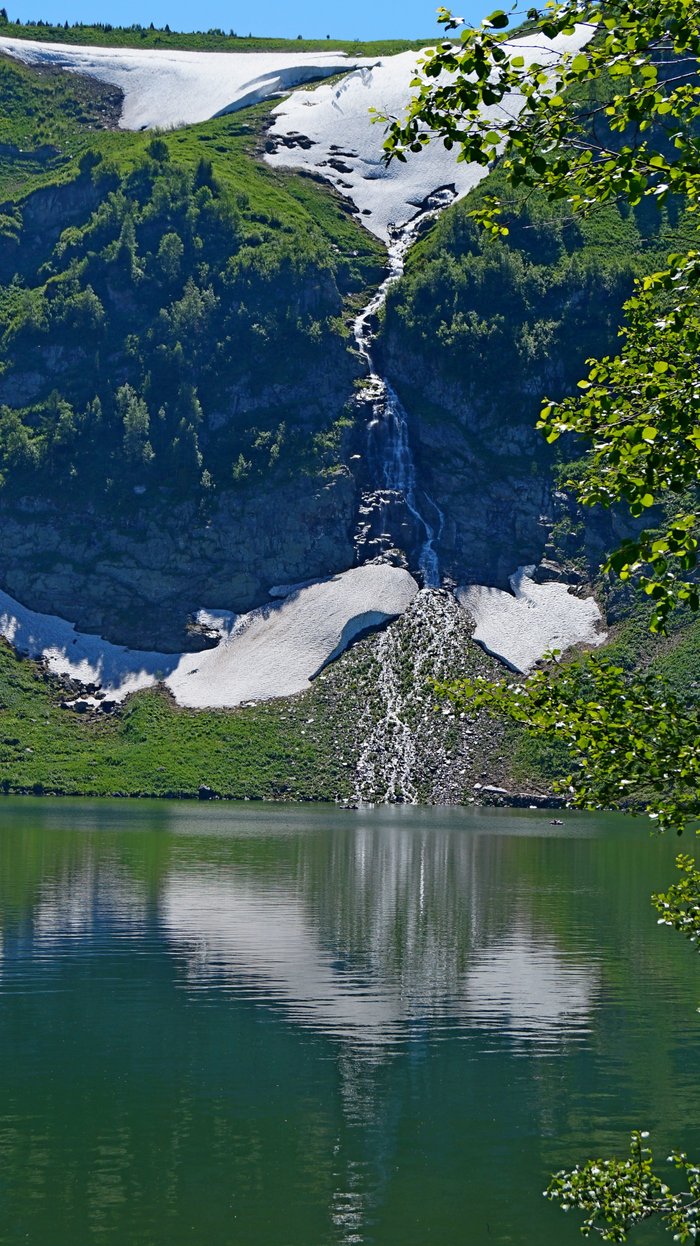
x: 167, y: 89
x: 271, y: 652
x: 330, y: 131
x: 519, y: 628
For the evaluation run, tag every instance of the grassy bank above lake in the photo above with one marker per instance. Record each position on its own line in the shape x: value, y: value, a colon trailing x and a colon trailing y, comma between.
x: 335, y: 741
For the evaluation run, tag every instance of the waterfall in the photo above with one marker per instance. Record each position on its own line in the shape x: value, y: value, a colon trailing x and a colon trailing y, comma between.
x: 389, y: 448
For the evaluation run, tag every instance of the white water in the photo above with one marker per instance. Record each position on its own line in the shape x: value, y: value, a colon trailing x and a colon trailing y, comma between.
x: 388, y: 439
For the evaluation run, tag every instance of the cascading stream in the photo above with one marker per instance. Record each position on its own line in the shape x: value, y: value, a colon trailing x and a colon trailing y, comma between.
x: 387, y: 431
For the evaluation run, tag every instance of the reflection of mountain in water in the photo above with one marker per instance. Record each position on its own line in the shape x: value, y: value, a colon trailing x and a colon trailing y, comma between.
x: 392, y: 932
x: 328, y: 1022
x: 381, y: 940
x: 369, y: 934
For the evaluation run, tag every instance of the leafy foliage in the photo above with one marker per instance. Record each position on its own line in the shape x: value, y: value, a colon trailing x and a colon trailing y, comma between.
x: 617, y: 1195
x: 642, y: 415
x: 613, y: 121
x: 631, y: 744
x: 679, y: 907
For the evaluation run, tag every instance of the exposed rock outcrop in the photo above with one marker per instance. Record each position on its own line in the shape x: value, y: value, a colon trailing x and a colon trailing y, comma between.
x: 135, y: 582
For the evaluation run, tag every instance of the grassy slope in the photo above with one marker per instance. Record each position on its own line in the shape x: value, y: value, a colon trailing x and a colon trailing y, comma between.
x: 154, y: 748
x: 203, y: 41
x: 74, y: 115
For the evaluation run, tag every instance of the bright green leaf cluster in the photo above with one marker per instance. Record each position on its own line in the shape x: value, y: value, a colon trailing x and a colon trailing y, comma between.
x: 632, y: 744
x: 679, y: 907
x: 613, y: 120
x: 617, y: 1195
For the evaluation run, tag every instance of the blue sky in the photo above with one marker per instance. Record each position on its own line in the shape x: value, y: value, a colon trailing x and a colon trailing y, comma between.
x: 364, y: 19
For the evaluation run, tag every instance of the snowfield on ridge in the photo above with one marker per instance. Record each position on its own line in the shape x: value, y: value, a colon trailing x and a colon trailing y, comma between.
x: 164, y: 89
x: 327, y: 131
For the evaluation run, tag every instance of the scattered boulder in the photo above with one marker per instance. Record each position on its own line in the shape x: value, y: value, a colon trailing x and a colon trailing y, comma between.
x: 547, y: 572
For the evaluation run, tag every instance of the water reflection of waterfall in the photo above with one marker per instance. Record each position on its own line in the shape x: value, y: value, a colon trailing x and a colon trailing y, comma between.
x: 389, y: 449
x: 379, y: 933
x: 380, y: 936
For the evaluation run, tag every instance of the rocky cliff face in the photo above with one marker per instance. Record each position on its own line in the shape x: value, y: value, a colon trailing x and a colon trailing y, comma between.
x: 473, y: 338
x: 173, y: 430
x: 136, y: 581
x: 491, y: 478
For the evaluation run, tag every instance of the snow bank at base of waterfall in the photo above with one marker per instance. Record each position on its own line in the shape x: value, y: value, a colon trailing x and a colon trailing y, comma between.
x: 330, y: 132
x: 520, y: 627
x: 166, y: 89
x: 271, y: 652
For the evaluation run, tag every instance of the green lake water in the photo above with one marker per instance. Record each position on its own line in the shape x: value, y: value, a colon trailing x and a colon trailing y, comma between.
x: 230, y: 1025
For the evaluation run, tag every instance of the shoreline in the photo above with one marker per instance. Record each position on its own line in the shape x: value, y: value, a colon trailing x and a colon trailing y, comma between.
x: 497, y: 800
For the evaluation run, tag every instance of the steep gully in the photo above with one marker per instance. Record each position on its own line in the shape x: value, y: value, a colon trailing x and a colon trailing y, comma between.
x: 387, y: 762
x: 391, y: 476
x: 398, y: 744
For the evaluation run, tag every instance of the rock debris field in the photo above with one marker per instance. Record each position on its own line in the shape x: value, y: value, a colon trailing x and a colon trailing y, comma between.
x: 277, y: 650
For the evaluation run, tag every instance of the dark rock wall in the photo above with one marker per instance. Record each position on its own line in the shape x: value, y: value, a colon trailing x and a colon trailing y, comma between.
x: 136, y: 581
x: 491, y: 477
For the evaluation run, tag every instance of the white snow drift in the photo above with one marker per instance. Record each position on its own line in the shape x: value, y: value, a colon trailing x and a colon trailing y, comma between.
x: 520, y: 627
x: 330, y: 131
x: 168, y: 89
x: 272, y: 652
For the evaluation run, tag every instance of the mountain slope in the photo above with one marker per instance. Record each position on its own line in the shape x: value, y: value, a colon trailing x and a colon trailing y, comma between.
x: 185, y: 422
x: 173, y: 357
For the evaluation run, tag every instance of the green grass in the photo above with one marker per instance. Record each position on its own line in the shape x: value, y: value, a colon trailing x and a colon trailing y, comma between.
x: 204, y: 41
x: 48, y: 119
x: 675, y: 657
x: 64, y: 112
x: 150, y: 747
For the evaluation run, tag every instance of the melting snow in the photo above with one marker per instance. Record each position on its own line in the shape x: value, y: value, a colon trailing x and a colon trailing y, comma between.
x: 520, y: 627
x: 330, y: 131
x: 168, y: 89
x: 271, y: 652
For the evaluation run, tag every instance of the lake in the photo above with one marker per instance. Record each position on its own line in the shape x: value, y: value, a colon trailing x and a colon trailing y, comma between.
x: 302, y: 1026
